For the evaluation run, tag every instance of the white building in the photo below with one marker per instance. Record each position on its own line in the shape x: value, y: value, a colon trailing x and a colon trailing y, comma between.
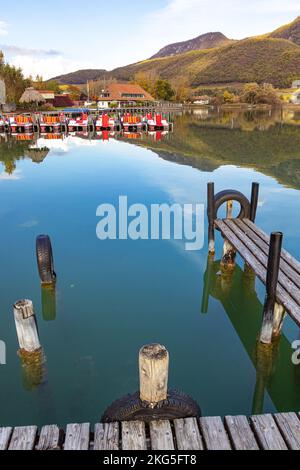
x: 296, y: 84
x: 295, y: 97
x: 2, y: 93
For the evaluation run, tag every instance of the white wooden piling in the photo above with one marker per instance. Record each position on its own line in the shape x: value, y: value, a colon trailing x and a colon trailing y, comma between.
x: 26, y: 326
x: 154, y: 369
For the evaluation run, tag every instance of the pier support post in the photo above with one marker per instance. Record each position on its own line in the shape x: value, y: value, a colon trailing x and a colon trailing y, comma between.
x: 254, y: 201
x: 154, y: 369
x: 229, y: 253
x: 271, y: 286
x: 211, y: 217
x: 26, y: 326
x: 279, y: 316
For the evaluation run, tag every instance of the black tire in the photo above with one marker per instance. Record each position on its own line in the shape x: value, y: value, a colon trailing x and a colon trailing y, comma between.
x: 131, y: 408
x: 232, y: 195
x: 44, y: 258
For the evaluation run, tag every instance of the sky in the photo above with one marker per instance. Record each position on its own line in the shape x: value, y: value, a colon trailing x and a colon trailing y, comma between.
x: 62, y: 36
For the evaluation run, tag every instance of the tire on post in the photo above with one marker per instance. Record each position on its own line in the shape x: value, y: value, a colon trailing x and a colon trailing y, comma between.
x: 131, y: 408
x: 232, y: 195
x: 45, y: 262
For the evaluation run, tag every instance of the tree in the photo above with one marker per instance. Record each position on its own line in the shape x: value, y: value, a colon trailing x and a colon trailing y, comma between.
x: 146, y: 80
x: 15, y: 82
x: 260, y: 94
x: 228, y: 97
x: 181, y: 90
x: 163, y: 90
x: 250, y: 93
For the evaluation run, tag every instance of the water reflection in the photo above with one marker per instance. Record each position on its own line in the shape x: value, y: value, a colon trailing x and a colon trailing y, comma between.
x: 48, y: 296
x: 268, y: 141
x: 275, y: 372
x: 33, y: 366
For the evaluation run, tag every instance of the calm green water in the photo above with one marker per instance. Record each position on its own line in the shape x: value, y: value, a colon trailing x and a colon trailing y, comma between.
x: 113, y: 297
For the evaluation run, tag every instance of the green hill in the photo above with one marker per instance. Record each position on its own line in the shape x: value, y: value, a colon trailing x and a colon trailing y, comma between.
x: 272, y: 58
x: 275, y: 61
x: 290, y: 31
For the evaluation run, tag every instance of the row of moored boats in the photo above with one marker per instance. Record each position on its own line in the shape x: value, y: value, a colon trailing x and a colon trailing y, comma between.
x: 82, y: 122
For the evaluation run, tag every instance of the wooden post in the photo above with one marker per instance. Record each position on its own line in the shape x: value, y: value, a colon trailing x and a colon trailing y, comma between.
x: 271, y: 287
x: 154, y: 369
x: 229, y: 253
x: 211, y: 217
x: 26, y: 326
x: 279, y: 316
x: 254, y: 201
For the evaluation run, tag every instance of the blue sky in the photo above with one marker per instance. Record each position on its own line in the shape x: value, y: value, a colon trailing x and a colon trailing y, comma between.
x: 63, y: 36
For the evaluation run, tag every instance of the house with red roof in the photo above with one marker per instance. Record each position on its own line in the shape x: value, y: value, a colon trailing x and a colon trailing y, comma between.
x: 123, y: 94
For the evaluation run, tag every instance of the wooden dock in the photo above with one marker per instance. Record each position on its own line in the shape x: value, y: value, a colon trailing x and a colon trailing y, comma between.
x: 262, y: 432
x: 274, y: 266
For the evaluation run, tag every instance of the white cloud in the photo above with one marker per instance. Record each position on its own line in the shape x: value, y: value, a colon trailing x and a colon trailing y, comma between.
x: 189, y: 18
x: 17, y: 50
x: 6, y: 177
x: 3, y: 28
x: 48, y: 66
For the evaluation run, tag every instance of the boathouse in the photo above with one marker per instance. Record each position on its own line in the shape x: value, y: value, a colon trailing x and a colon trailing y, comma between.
x: 123, y: 94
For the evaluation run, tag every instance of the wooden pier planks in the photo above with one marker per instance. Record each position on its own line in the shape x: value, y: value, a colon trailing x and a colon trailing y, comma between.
x: 161, y: 435
x: 214, y: 433
x: 107, y: 436
x: 49, y: 438
x: 262, y: 432
x: 252, y: 244
x: 289, y: 425
x: 187, y: 434
x: 240, y: 433
x: 5, y: 434
x: 267, y: 433
x: 134, y: 436
x: 23, y: 438
x: 77, y: 437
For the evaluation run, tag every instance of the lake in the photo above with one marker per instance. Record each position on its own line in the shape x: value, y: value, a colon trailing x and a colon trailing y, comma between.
x: 114, y: 296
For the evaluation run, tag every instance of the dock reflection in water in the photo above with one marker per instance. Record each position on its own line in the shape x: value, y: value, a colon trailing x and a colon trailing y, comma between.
x: 275, y: 372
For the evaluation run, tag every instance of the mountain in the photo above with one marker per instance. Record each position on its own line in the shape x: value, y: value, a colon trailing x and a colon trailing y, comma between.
x: 291, y: 32
x: 205, y: 41
x: 275, y: 61
x: 272, y: 58
x: 80, y: 77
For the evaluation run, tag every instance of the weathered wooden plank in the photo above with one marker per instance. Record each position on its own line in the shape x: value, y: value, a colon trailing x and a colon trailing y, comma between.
x: 267, y: 433
x: 288, y: 258
x: 49, y: 438
x: 289, y: 425
x: 290, y: 305
x: 286, y: 283
x: 161, y: 435
x: 107, y: 436
x: 187, y: 434
x: 134, y: 436
x: 5, y: 434
x: 264, y: 246
x: 240, y: 433
x: 23, y: 438
x: 77, y: 437
x: 214, y: 433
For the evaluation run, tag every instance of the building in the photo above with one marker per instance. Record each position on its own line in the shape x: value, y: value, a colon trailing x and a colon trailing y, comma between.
x: 63, y: 101
x: 2, y: 93
x: 201, y: 100
x: 123, y: 94
x: 296, y: 84
x: 295, y: 97
x: 48, y: 95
